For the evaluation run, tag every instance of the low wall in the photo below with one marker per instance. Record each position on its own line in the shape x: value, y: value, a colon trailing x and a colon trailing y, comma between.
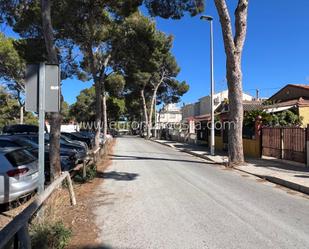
x: 252, y: 147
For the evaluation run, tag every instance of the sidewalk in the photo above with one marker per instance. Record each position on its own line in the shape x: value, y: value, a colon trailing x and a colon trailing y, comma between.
x: 285, y: 174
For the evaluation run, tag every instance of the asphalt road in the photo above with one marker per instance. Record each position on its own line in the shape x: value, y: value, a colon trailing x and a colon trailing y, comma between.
x: 156, y: 197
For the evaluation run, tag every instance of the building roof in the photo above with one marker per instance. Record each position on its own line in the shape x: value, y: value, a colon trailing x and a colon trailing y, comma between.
x: 252, y: 105
x: 293, y: 102
x: 290, y: 92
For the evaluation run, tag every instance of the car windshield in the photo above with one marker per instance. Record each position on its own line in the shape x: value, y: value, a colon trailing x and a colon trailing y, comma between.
x: 20, y: 157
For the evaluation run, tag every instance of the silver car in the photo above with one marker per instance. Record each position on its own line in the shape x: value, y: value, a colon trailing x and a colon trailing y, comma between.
x: 19, y: 174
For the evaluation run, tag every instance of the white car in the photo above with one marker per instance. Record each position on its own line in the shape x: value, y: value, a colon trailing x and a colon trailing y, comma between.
x: 19, y: 174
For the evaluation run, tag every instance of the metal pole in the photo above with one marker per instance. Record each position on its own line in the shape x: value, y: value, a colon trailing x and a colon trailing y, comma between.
x: 212, y: 135
x: 41, y: 127
x: 155, y: 111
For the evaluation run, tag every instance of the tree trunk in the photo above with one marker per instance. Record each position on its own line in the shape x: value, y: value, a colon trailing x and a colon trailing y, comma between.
x: 152, y: 106
x: 104, y: 107
x: 55, y: 122
x: 233, y: 49
x: 235, y: 145
x: 104, y: 112
x: 98, y: 96
x: 98, y: 118
x: 145, y: 111
x: 21, y: 114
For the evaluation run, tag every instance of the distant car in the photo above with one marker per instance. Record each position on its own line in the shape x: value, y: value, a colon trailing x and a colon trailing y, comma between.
x: 19, y: 174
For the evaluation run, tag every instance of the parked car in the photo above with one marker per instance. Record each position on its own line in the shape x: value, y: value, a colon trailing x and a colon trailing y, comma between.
x: 79, y: 137
x: 91, y: 134
x: 65, y: 139
x: 19, y: 128
x: 67, y: 156
x: 19, y: 174
x: 80, y: 151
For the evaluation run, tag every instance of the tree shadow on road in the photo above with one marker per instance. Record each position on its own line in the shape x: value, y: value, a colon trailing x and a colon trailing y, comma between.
x: 122, y: 157
x: 118, y: 176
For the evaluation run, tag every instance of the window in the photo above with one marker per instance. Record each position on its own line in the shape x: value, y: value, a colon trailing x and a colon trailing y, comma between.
x: 20, y: 157
x: 6, y: 143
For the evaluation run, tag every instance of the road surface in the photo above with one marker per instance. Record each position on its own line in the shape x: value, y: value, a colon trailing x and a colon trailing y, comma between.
x: 156, y: 197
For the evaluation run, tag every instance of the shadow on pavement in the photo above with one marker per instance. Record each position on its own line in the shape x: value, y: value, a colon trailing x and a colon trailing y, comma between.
x: 122, y: 157
x: 118, y: 176
x: 278, y: 165
x: 302, y: 176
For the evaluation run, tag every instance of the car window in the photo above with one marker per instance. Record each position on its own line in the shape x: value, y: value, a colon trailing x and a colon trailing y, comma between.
x: 6, y: 143
x: 20, y: 157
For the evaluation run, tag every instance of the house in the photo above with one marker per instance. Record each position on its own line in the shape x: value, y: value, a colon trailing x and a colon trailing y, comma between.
x: 199, y: 113
x: 293, y: 97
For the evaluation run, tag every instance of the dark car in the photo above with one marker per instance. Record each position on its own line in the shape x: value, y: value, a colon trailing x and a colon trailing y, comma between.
x: 79, y: 137
x: 80, y: 151
x: 19, y: 128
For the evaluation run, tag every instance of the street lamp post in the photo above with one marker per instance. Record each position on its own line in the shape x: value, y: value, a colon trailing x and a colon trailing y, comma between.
x: 155, y: 111
x: 212, y: 85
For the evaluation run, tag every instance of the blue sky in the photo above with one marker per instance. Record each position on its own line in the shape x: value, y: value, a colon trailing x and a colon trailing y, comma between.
x: 276, y: 50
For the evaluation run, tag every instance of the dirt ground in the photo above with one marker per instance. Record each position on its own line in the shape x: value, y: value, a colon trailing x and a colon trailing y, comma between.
x: 79, y: 218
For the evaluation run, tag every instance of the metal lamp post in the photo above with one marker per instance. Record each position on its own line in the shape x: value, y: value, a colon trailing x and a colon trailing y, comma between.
x: 155, y: 111
x: 212, y: 85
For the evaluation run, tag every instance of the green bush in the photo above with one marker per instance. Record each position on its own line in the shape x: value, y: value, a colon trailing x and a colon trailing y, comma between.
x: 91, y: 173
x: 49, y: 236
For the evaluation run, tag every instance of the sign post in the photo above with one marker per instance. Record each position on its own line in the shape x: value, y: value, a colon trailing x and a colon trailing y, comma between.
x: 42, y: 95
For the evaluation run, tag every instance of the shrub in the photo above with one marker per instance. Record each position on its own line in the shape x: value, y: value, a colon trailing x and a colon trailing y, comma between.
x: 49, y: 236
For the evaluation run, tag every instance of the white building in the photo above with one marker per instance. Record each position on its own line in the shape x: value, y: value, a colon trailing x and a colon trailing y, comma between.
x: 170, y: 113
x: 203, y: 106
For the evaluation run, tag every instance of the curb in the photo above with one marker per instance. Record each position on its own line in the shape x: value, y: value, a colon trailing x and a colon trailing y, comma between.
x: 200, y: 156
x: 168, y: 145
x: 276, y: 180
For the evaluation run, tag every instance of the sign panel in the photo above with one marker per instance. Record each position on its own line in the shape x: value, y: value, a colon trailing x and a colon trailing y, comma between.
x: 32, y: 90
x: 52, y: 88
